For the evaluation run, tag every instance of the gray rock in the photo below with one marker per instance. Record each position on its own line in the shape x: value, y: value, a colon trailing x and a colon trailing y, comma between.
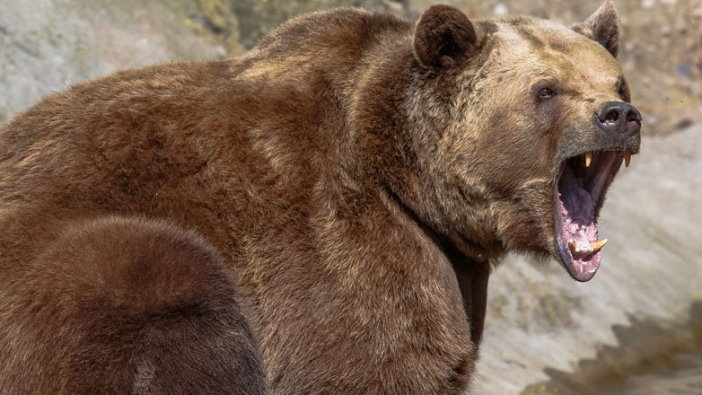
x: 46, y: 45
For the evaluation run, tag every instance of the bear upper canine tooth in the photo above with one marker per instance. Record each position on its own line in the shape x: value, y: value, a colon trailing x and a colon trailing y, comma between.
x: 588, y: 159
x: 627, y: 158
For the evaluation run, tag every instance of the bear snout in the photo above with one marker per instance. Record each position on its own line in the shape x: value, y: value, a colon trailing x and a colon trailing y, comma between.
x: 618, y: 119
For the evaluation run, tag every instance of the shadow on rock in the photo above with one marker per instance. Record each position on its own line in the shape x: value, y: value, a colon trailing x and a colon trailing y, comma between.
x: 646, y: 347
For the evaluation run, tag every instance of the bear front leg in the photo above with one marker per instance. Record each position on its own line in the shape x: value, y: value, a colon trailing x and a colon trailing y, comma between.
x: 473, y: 280
x: 121, y: 305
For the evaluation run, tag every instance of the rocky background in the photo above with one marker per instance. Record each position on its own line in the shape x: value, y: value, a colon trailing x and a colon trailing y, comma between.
x: 640, y: 316
x: 47, y: 44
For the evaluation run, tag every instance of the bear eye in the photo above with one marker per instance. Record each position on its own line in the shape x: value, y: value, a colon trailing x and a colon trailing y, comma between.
x: 546, y: 93
x: 621, y: 90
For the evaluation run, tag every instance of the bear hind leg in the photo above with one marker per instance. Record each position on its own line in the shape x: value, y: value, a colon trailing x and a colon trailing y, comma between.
x: 123, y: 305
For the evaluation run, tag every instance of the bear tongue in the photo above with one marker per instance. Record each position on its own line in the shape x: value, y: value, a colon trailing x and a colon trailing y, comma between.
x: 577, y: 205
x: 578, y: 227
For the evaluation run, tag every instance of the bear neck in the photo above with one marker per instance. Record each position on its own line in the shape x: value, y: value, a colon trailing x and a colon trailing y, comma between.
x: 394, y: 118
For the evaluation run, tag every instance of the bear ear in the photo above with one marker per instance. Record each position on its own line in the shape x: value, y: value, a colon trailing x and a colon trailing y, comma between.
x: 603, y: 27
x: 443, y: 37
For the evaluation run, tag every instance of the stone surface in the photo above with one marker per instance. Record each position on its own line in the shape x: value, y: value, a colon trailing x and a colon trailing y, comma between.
x: 46, y: 45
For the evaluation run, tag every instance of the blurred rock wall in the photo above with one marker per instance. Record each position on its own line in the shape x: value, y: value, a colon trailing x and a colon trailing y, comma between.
x: 661, y: 51
x: 46, y: 45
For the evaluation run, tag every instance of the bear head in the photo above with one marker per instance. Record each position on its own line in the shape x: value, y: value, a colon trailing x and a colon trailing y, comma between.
x: 520, y: 125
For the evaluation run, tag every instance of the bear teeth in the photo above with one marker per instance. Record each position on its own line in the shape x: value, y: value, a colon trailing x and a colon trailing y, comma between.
x: 594, y: 247
x: 588, y: 158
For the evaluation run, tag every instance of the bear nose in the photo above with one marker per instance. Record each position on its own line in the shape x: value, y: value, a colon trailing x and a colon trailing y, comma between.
x: 618, y: 118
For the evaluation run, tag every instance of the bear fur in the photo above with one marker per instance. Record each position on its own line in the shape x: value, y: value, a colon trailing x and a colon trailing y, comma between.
x: 319, y: 215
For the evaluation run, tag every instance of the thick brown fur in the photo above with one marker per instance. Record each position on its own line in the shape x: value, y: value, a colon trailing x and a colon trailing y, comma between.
x: 355, y: 176
x: 118, y: 305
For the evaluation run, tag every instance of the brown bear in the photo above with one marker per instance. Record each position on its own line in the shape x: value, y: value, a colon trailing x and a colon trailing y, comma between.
x: 317, y: 216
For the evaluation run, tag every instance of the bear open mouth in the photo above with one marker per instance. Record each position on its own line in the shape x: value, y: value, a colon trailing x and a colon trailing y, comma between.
x: 578, y: 198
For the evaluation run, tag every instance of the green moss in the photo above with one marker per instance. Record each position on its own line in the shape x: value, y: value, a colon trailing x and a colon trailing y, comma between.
x: 258, y: 17
x: 218, y: 17
x: 240, y: 24
x: 211, y: 19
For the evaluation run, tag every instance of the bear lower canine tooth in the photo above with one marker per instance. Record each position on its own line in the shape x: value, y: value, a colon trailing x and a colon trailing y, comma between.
x: 572, y: 247
x: 596, y: 246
